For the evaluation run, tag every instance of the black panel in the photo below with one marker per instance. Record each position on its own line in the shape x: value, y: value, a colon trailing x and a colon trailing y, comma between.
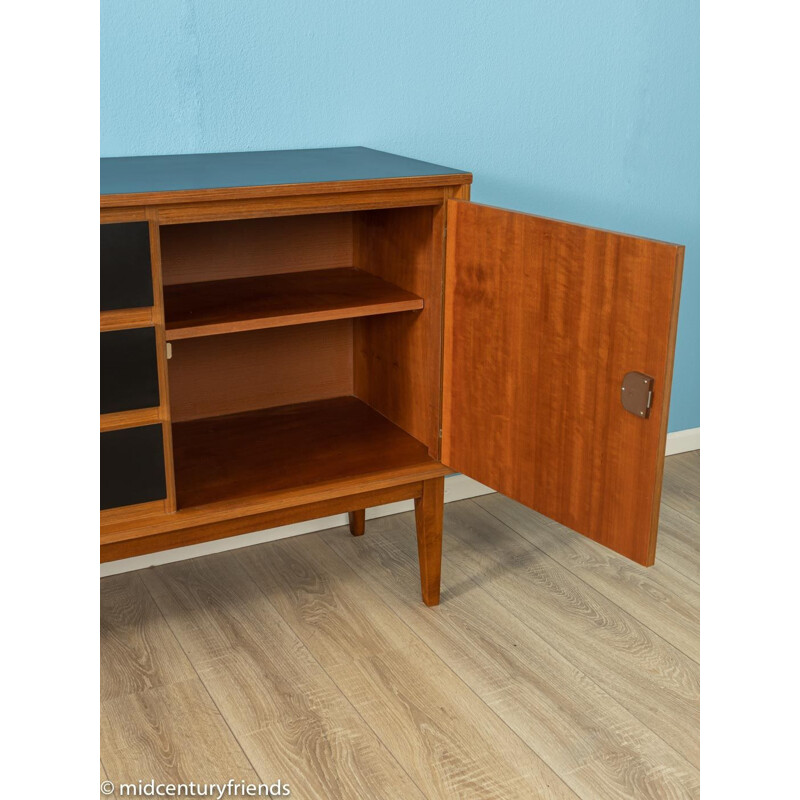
x: 128, y: 370
x: 132, y: 466
x: 130, y: 175
x: 125, y: 277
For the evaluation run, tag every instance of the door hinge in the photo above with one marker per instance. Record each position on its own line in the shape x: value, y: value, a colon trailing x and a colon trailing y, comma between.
x: 637, y: 394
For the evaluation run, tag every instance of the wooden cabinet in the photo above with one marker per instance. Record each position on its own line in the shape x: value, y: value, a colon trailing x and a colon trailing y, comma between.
x: 336, y: 329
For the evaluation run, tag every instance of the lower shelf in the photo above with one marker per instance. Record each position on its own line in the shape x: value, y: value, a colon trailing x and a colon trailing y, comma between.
x: 296, y: 447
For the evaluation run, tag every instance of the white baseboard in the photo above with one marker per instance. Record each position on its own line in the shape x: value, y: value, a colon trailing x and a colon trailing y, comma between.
x: 456, y: 487
x: 683, y: 441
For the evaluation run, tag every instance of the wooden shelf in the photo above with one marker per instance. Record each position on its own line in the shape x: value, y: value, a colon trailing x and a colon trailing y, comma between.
x: 290, y: 449
x: 121, y: 319
x: 271, y: 301
x: 130, y: 419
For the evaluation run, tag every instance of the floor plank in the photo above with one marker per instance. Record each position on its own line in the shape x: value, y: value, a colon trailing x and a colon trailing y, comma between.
x: 171, y: 734
x: 137, y: 649
x: 681, y: 488
x: 651, y: 678
x: 665, y: 601
x: 288, y: 715
x: 447, y: 740
x: 103, y: 778
x: 157, y: 720
x: 597, y: 746
x: 678, y: 543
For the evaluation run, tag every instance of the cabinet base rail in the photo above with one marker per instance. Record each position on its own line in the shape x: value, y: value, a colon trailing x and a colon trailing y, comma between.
x: 428, y: 496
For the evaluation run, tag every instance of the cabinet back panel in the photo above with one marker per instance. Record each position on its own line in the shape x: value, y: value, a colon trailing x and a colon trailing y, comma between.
x: 128, y: 370
x: 397, y: 357
x: 235, y: 372
x: 211, y: 251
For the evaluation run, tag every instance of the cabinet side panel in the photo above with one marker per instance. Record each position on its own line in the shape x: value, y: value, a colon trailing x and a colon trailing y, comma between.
x: 397, y: 358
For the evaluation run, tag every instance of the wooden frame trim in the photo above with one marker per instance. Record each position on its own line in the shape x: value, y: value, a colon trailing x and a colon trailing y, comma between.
x: 227, y: 510
x: 111, y: 550
x: 131, y: 214
x: 137, y: 511
x: 124, y: 318
x: 454, y: 193
x: 130, y: 419
x: 301, y: 204
x: 283, y: 189
x: 170, y: 503
x: 661, y: 453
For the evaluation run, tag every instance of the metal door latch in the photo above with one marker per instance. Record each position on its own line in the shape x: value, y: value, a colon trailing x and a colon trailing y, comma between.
x: 637, y: 394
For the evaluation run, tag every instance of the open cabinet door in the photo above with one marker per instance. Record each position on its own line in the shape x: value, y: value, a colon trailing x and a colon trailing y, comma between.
x: 545, y: 323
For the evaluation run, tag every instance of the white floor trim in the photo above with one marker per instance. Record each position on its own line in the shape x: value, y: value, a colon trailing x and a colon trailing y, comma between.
x: 683, y: 441
x: 456, y: 487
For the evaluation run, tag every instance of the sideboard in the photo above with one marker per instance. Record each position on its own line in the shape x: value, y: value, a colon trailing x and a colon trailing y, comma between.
x: 291, y: 334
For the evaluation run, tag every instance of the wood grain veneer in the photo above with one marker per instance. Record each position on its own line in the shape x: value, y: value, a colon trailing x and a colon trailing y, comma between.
x: 357, y: 520
x: 285, y: 190
x: 274, y: 450
x: 120, y: 319
x: 218, y: 375
x: 281, y: 206
x: 429, y: 515
x: 161, y: 354
x: 397, y: 359
x: 271, y: 301
x: 164, y: 531
x: 207, y: 251
x: 129, y: 419
x: 542, y: 321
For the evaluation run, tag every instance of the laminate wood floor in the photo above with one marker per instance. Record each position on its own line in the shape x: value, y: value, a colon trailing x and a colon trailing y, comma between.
x: 553, y: 668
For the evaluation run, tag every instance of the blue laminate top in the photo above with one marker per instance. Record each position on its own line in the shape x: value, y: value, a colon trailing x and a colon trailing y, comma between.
x: 176, y: 173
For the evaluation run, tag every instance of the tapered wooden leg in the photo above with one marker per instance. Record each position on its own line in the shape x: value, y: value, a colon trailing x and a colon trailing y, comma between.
x: 357, y: 521
x: 429, y: 510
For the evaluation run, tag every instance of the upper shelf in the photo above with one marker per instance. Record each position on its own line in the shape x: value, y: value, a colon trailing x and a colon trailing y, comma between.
x: 273, y: 301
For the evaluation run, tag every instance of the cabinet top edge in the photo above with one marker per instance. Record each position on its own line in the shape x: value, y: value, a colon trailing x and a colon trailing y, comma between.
x: 174, y: 178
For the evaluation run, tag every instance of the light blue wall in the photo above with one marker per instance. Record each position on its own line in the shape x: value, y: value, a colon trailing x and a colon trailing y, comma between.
x: 583, y: 110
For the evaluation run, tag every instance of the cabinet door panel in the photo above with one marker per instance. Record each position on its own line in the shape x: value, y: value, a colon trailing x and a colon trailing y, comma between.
x: 125, y: 274
x: 132, y: 466
x: 543, y: 321
x: 128, y: 370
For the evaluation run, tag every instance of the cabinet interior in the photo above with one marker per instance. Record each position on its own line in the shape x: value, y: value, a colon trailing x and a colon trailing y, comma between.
x: 305, y: 349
